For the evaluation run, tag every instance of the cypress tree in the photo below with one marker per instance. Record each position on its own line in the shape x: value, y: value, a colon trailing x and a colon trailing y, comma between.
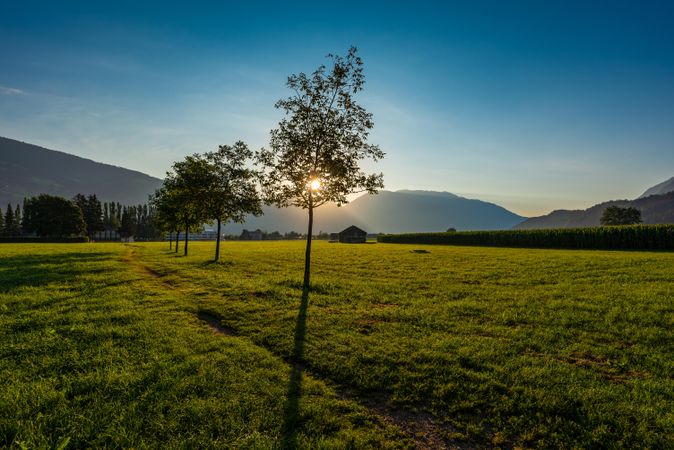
x: 9, y: 221
x: 17, y: 220
x: 27, y: 219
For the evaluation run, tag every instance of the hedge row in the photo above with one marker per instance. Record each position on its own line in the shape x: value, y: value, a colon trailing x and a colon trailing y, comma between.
x: 47, y: 240
x: 634, y: 237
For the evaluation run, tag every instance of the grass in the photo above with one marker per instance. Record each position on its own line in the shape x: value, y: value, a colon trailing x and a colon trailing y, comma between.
x: 396, y: 346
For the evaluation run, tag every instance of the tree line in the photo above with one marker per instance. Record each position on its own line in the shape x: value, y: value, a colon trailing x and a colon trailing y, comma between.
x: 52, y: 216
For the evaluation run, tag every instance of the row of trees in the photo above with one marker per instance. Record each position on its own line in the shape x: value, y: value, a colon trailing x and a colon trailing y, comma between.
x: 313, y: 158
x: 216, y: 187
x: 10, y: 222
x: 52, y: 216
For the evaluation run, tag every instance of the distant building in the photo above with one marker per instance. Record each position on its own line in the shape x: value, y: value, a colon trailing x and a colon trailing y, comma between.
x: 353, y: 235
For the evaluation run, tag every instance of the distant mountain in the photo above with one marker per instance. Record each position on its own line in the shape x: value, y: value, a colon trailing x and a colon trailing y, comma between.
x: 654, y: 209
x: 390, y: 212
x: 27, y: 170
x: 659, y: 189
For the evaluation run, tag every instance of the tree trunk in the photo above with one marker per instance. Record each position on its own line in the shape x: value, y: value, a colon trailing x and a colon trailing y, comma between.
x: 177, y: 240
x: 307, y: 256
x: 187, y: 237
x: 171, y: 240
x: 217, y: 243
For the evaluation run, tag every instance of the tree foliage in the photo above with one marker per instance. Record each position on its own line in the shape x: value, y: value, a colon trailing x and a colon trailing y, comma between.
x: 216, y: 186
x: 615, y: 215
x: 50, y: 216
x: 315, y: 153
x: 232, y: 192
x: 92, y: 212
x: 323, y: 137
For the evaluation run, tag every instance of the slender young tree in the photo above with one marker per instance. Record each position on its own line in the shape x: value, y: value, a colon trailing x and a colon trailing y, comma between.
x: 17, y: 220
x: 315, y: 153
x: 188, y: 186
x: 232, y: 192
x: 166, y: 217
x: 2, y: 223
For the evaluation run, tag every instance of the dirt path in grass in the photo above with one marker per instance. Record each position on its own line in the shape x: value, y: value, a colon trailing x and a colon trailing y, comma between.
x: 422, y: 428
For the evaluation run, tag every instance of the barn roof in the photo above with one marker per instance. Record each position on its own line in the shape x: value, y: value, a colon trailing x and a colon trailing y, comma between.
x: 353, y: 228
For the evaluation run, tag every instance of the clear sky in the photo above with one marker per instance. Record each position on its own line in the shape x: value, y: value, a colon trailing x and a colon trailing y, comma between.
x: 534, y: 105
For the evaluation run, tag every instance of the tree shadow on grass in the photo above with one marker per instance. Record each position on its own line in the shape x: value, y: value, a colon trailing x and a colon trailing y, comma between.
x: 39, y: 270
x: 291, y: 414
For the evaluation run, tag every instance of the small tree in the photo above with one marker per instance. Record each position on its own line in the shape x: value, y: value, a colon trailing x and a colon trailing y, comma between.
x: 232, y: 192
x: 615, y: 215
x: 166, y: 217
x: 2, y: 223
x: 188, y: 186
x: 314, y: 154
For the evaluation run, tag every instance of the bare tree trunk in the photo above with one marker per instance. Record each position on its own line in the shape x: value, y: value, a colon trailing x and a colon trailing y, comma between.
x: 187, y: 237
x: 177, y: 240
x: 217, y: 243
x: 307, y: 256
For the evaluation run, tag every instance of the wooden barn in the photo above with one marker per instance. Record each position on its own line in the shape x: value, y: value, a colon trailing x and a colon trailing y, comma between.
x: 353, y: 235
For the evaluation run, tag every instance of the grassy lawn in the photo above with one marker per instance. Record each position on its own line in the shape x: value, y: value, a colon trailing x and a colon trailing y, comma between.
x: 396, y: 346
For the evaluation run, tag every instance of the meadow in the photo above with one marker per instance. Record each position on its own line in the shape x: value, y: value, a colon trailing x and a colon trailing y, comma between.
x: 396, y: 346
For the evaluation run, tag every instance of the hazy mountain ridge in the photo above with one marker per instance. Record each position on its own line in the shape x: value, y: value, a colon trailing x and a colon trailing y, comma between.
x: 654, y: 209
x: 390, y: 212
x: 660, y: 189
x: 27, y: 170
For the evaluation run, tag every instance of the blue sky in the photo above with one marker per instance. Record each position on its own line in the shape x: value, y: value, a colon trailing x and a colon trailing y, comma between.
x: 533, y: 105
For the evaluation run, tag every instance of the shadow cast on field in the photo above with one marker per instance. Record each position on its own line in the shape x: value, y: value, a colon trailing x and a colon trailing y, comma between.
x: 38, y: 270
x: 291, y: 412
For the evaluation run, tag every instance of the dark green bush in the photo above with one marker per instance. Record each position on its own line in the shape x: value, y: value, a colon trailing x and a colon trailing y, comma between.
x: 634, y: 237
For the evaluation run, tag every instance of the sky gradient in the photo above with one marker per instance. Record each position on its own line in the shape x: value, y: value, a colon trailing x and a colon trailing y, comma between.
x: 532, y: 105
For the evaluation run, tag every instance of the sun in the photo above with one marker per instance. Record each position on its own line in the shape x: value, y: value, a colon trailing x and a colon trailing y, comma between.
x: 315, y: 185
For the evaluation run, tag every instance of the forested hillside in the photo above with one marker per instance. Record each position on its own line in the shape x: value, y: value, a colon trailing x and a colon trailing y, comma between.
x: 27, y: 170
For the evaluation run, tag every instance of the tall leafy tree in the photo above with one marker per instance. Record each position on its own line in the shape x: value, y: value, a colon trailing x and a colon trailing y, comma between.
x: 232, y: 191
x: 615, y: 215
x: 92, y: 213
x: 315, y: 153
x: 55, y: 217
x: 127, y: 227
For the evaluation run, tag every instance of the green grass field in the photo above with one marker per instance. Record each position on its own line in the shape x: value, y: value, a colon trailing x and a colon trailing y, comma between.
x: 397, y: 346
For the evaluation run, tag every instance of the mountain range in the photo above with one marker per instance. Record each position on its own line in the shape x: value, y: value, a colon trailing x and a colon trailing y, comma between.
x: 390, y: 212
x: 27, y: 170
x: 654, y: 209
